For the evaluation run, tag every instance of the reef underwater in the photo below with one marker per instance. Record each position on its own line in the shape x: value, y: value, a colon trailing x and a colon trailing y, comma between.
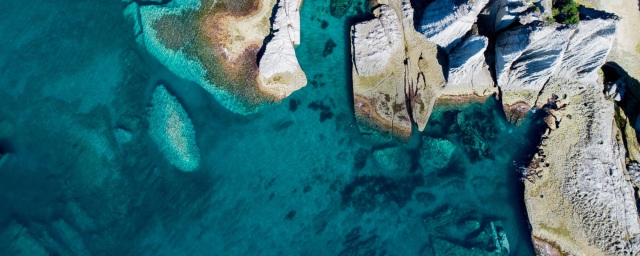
x: 320, y: 127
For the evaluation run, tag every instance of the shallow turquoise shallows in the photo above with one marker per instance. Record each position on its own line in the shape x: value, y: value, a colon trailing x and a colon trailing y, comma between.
x: 82, y: 176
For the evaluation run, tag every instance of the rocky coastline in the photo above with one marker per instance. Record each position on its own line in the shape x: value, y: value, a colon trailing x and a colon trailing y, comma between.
x: 580, y: 78
x: 579, y: 193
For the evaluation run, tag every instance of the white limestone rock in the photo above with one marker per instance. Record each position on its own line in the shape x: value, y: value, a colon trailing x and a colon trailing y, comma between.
x: 171, y: 129
x: 526, y: 57
x: 395, y: 70
x: 375, y: 41
x: 588, y: 49
x: 445, y: 22
x: 524, y: 11
x: 584, y: 202
x: 280, y: 73
x: 468, y: 72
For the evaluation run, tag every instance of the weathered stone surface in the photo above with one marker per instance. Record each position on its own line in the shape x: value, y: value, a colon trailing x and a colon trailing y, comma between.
x: 279, y: 71
x: 396, y: 76
x: 526, y: 57
x: 588, y: 49
x: 468, y: 72
x: 445, y: 22
x: 581, y: 201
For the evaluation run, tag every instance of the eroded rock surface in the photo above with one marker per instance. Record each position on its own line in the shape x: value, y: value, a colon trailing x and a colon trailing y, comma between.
x: 526, y: 58
x: 217, y: 45
x: 445, y: 22
x: 396, y: 75
x: 468, y: 72
x: 580, y: 201
x: 524, y: 11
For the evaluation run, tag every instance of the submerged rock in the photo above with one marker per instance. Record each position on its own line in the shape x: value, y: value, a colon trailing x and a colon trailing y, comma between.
x: 218, y: 44
x: 15, y: 239
x: 436, y: 152
x: 396, y: 76
x: 339, y: 8
x: 394, y: 160
x: 171, y: 129
x: 445, y: 22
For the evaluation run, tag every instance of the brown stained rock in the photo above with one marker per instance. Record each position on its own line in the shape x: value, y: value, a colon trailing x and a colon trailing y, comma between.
x: 224, y: 37
x: 396, y: 76
x: 516, y: 113
x: 544, y: 248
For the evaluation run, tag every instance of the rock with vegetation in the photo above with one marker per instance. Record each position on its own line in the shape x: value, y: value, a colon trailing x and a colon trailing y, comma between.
x: 566, y: 12
x: 171, y: 129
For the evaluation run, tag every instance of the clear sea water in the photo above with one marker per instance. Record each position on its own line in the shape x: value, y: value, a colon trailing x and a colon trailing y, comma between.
x: 81, y: 176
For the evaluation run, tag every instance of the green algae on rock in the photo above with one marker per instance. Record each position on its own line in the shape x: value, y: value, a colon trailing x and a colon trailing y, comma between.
x: 220, y: 45
x: 172, y: 130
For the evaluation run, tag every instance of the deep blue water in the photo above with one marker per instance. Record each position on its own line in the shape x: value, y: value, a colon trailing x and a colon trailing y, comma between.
x: 296, y: 178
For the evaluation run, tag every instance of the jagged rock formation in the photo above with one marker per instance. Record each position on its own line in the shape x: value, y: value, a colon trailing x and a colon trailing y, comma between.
x: 172, y: 130
x: 468, y: 72
x: 217, y: 45
x: 396, y: 76
x: 279, y: 71
x: 525, y: 11
x: 445, y: 22
x: 580, y: 201
x: 526, y: 58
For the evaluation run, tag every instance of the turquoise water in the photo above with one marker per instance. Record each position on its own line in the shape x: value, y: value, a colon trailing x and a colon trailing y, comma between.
x: 81, y: 175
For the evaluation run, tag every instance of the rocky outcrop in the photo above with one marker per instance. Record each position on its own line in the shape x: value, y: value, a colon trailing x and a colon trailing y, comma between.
x: 279, y: 71
x: 172, y: 130
x: 396, y: 75
x: 468, y: 72
x: 579, y: 199
x: 445, y: 22
x: 218, y: 43
x: 524, y: 11
x: 526, y: 58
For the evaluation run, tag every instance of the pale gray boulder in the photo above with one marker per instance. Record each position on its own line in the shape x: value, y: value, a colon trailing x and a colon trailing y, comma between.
x: 445, y: 22
x: 468, y: 72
